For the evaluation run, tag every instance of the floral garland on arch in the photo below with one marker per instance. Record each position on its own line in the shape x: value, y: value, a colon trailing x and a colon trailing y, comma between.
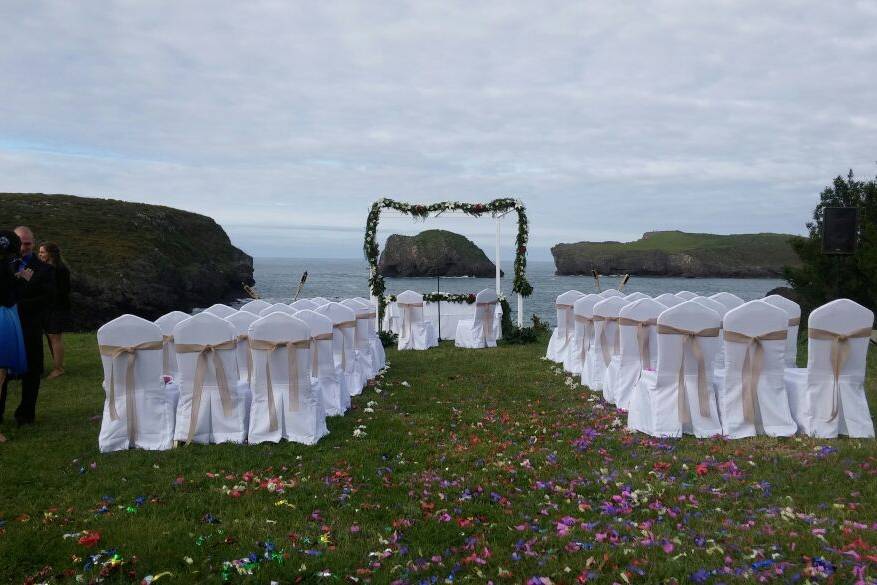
x: 520, y: 284
x: 434, y: 297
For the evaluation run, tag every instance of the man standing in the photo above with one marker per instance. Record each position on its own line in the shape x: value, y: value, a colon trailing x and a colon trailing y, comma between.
x: 36, y: 281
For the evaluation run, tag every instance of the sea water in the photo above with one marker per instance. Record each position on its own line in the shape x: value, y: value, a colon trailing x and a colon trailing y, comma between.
x: 277, y: 280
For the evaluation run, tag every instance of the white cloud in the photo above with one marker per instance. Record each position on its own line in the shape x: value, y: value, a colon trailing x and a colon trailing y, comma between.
x: 284, y: 121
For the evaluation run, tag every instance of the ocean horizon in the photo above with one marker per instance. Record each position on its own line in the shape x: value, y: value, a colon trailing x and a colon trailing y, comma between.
x: 277, y: 279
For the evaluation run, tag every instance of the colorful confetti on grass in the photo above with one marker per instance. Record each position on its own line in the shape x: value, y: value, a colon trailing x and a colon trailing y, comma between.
x: 485, y: 467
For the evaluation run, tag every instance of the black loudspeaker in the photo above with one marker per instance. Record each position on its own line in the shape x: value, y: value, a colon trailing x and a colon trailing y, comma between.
x: 839, y: 230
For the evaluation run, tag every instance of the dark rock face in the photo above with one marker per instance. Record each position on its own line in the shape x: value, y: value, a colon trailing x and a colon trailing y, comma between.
x: 681, y: 254
x: 132, y: 257
x: 434, y: 253
x: 785, y: 291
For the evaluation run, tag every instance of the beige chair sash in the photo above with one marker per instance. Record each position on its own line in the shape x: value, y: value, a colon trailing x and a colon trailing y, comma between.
x: 642, y: 339
x: 114, y: 351
x: 344, y: 325
x: 165, y: 353
x: 840, y: 351
x: 200, y: 371
x: 604, y: 342
x: 753, y: 362
x: 292, y: 364
x: 315, y: 362
x: 794, y: 321
x: 691, y: 340
x: 487, y: 321
x: 585, y: 344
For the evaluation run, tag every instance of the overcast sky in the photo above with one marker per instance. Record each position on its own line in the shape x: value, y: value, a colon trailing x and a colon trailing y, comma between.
x: 285, y: 120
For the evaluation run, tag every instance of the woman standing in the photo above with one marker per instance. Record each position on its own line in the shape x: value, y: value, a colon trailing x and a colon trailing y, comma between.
x: 12, y: 356
x: 59, y: 314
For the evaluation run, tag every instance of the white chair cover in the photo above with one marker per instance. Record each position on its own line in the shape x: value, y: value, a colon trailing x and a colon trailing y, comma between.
x: 303, y: 304
x: 713, y: 304
x: 752, y: 395
x: 289, y: 407
x: 611, y: 292
x: 607, y: 343
x: 379, y: 359
x: 793, y: 312
x: 414, y: 331
x: 562, y: 334
x: 320, y: 301
x: 343, y: 342
x: 635, y: 296
x: 639, y: 348
x: 828, y: 398
x: 138, y: 411
x: 212, y: 406
x: 582, y: 333
x: 721, y: 309
x: 324, y: 375
x: 480, y: 331
x: 255, y: 306
x: 277, y: 308
x: 362, y: 346
x: 241, y: 322
x: 220, y: 310
x: 169, y: 358
x: 686, y: 295
x: 392, y: 317
x: 668, y: 299
x: 679, y: 396
x: 377, y: 345
x: 731, y: 301
x: 579, y: 358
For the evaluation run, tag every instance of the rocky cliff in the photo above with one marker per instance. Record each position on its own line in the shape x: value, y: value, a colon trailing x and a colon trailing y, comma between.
x: 434, y: 253
x: 675, y: 253
x: 132, y: 257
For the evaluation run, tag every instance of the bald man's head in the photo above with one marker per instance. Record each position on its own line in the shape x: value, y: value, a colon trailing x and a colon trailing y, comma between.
x: 27, y: 240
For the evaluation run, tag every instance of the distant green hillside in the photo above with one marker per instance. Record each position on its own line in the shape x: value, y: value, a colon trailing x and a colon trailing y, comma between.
x: 676, y: 253
x: 132, y: 257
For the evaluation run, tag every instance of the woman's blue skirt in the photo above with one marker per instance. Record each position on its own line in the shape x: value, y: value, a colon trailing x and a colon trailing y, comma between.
x: 12, y: 356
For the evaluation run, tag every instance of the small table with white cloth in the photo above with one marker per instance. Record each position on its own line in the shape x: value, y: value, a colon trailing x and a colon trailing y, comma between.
x: 451, y: 314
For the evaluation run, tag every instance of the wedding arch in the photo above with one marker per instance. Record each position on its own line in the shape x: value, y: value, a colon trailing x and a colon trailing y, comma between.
x: 497, y: 208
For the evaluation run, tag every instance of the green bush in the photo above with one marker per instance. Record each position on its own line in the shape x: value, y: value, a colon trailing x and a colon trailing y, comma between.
x: 388, y: 338
x: 822, y: 278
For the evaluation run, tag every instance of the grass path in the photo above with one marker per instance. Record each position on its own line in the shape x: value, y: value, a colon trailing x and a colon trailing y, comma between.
x: 474, y: 466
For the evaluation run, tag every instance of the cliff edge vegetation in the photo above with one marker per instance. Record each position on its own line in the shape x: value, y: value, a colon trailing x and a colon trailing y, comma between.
x: 676, y: 253
x: 132, y: 257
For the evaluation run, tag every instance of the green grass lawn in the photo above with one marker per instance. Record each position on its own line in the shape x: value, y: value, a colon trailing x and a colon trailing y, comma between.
x: 475, y: 466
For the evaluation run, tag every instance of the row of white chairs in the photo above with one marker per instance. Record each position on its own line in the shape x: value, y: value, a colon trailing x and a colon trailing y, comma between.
x: 718, y: 365
x: 265, y: 372
x: 418, y: 333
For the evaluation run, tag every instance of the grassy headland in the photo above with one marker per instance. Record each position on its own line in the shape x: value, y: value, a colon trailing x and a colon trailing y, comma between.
x: 129, y: 257
x: 675, y: 253
x: 475, y: 466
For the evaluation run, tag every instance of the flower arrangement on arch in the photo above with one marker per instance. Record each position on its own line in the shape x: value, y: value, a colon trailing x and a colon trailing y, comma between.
x: 520, y: 284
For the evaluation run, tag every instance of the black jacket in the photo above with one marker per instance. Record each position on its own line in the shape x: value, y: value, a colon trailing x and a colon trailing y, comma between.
x: 62, y: 288
x: 9, y: 289
x: 37, y: 295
